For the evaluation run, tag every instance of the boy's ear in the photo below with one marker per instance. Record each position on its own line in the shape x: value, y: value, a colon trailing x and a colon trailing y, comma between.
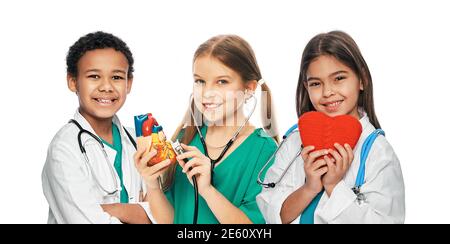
x: 129, y: 84
x: 72, y: 83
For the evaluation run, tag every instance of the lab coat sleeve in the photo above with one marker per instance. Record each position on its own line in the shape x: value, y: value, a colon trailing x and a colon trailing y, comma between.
x: 148, y: 211
x: 270, y: 200
x: 384, y: 190
x: 68, y: 190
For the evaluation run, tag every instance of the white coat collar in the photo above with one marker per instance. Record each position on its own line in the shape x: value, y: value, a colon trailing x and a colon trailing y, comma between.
x: 367, y: 127
x: 85, y: 124
x: 365, y: 122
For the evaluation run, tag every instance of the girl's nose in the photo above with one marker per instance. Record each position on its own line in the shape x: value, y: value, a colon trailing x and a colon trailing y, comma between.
x: 328, y: 90
x: 209, y: 93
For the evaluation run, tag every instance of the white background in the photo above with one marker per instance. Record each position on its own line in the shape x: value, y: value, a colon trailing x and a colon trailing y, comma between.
x: 405, y: 43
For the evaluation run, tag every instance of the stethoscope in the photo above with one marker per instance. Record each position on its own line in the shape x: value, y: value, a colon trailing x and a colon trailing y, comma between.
x: 230, y: 142
x: 102, y: 146
x: 286, y: 136
x: 361, y: 170
x: 205, y: 148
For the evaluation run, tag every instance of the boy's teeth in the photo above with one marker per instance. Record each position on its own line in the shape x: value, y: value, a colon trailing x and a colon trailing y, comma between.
x: 104, y: 101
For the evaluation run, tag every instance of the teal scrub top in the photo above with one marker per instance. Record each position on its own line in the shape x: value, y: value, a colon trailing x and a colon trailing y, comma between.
x: 235, y: 178
x: 308, y: 214
x: 117, y: 146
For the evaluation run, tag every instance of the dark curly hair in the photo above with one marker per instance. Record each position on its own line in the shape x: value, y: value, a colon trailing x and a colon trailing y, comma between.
x: 93, y: 41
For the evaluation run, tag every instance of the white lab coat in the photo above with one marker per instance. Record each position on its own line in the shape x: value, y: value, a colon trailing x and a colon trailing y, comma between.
x: 383, y: 187
x: 68, y: 184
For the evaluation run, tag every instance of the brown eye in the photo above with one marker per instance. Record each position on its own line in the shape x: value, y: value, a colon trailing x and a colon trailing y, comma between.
x: 117, y: 77
x: 222, y: 82
x: 313, y: 84
x: 339, y: 78
x: 94, y: 77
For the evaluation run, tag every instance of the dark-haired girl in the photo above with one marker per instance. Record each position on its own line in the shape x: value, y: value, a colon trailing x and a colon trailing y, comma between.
x: 335, y: 80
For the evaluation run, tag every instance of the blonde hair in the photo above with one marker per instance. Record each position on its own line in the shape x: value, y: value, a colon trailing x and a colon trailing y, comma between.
x: 235, y: 53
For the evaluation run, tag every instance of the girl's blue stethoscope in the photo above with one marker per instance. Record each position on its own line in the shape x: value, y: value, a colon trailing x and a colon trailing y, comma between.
x: 361, y: 171
x: 102, y: 146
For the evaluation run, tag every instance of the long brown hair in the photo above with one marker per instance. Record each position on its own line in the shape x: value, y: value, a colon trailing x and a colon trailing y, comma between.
x: 341, y: 46
x: 235, y: 53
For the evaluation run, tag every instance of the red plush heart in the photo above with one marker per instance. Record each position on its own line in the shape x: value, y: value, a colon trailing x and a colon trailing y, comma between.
x: 321, y: 131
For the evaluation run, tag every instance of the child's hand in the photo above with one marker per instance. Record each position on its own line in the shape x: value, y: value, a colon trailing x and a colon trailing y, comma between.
x: 150, y: 174
x: 314, y: 169
x: 199, y: 165
x: 338, y: 166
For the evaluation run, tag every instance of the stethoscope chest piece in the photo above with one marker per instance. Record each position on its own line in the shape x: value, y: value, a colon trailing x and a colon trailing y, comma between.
x: 360, y: 197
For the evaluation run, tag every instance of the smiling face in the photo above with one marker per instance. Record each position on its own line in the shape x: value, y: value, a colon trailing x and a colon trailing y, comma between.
x: 333, y: 87
x: 102, y: 83
x: 218, y: 90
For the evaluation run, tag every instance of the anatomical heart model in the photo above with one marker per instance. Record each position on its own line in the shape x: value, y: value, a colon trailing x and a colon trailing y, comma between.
x: 150, y: 134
